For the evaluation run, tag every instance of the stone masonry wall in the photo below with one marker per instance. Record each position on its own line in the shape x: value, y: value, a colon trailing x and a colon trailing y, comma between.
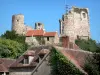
x: 52, y: 40
x: 31, y: 41
x: 75, y: 23
x: 18, y: 23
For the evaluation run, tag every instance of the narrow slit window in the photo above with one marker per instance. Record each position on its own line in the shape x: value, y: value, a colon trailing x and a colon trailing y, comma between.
x: 17, y: 20
x: 26, y: 60
x: 47, y: 38
x: 84, y: 15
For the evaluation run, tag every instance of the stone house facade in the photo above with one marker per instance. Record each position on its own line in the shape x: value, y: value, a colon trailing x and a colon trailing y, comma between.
x: 48, y: 37
x: 51, y: 38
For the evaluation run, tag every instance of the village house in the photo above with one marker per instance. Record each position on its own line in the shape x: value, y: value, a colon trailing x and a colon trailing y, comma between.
x: 31, y: 63
x: 48, y: 37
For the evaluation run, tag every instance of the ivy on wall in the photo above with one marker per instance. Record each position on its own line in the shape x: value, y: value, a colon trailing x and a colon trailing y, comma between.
x: 61, y: 66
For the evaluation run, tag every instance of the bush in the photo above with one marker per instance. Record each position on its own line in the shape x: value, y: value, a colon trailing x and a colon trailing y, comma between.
x: 88, y: 45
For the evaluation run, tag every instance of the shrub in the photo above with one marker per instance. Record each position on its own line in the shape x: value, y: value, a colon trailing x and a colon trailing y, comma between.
x: 88, y: 45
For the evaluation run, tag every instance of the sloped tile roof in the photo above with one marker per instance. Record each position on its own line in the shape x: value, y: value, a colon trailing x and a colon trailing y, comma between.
x: 3, y: 68
x: 5, y: 63
x: 27, y: 53
x: 40, y: 33
x: 50, y: 34
x: 35, y: 33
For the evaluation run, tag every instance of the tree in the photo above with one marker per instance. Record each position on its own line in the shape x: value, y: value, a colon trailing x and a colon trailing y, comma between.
x: 13, y: 36
x: 12, y: 45
x: 9, y: 35
x: 10, y: 48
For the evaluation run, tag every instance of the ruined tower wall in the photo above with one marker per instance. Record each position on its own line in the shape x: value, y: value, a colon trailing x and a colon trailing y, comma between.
x: 18, y: 23
x: 81, y: 22
x: 75, y: 23
x: 69, y: 26
x: 39, y: 25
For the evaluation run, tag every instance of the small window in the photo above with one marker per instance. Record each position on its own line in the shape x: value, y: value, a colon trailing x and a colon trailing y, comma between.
x: 47, y: 38
x: 37, y: 60
x: 77, y: 36
x: 63, y: 27
x: 62, y: 31
x: 26, y: 61
x: 84, y: 15
x: 39, y: 24
x: 17, y: 20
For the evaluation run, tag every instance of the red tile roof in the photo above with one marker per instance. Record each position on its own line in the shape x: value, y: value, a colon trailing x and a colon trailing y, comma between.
x: 35, y: 33
x: 5, y: 63
x: 50, y: 34
x: 39, y: 33
x: 3, y: 68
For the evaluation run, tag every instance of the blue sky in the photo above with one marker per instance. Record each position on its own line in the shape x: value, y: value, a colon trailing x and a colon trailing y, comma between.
x: 48, y: 12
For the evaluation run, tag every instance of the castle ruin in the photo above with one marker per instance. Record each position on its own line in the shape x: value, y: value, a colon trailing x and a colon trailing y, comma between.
x: 39, y: 25
x: 75, y: 24
x: 18, y: 24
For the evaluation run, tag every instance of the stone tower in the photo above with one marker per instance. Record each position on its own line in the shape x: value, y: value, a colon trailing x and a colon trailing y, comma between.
x: 75, y: 24
x: 18, y: 23
x: 39, y: 25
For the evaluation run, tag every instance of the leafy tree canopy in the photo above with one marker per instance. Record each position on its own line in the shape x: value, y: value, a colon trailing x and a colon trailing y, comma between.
x: 12, y: 45
x: 13, y: 36
x: 10, y: 48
